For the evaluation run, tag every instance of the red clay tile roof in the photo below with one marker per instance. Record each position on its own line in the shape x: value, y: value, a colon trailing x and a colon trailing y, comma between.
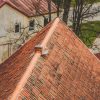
x: 1, y: 1
x: 69, y: 71
x: 97, y: 55
x: 28, y: 7
x: 13, y: 68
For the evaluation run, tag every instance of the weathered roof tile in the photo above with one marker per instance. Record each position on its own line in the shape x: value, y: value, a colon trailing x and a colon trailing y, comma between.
x: 70, y: 71
x: 30, y: 7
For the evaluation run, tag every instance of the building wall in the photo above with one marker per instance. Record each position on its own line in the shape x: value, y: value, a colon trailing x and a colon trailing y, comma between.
x: 8, y: 18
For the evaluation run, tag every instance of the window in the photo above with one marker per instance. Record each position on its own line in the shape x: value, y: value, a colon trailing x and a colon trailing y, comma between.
x: 31, y: 25
x: 45, y: 21
x: 17, y: 28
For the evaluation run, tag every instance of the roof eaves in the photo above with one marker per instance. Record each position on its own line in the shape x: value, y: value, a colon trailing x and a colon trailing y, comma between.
x: 2, y: 4
x: 14, y: 7
x: 28, y: 15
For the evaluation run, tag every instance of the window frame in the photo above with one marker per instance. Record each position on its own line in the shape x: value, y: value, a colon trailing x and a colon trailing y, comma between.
x: 31, y: 25
x: 17, y: 27
x: 46, y: 20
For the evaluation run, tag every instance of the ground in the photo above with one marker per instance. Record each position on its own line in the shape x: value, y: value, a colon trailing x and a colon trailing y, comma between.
x: 90, y: 30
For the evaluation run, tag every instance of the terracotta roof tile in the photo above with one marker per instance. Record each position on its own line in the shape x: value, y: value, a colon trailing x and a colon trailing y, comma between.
x: 69, y: 71
x: 29, y: 7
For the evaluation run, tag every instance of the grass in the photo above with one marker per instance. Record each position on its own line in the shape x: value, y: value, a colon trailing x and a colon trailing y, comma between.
x: 73, y: 1
x: 90, y: 29
x: 97, y: 0
x: 89, y: 32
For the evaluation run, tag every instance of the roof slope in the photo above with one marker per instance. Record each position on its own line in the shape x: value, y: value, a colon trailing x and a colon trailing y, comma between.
x: 70, y: 71
x: 30, y: 7
x: 13, y: 68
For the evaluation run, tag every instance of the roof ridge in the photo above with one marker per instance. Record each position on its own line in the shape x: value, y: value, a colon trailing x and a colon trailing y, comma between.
x: 33, y: 62
x: 50, y: 32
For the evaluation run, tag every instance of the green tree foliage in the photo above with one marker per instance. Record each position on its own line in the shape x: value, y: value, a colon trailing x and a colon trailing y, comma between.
x: 82, y: 10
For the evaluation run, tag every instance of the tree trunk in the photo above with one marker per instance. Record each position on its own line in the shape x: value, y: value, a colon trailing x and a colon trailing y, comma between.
x: 77, y: 20
x: 59, y: 3
x: 67, y: 4
x: 49, y: 9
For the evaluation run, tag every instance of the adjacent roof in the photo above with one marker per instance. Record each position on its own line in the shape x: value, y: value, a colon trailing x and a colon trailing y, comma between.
x: 53, y: 65
x: 98, y: 55
x: 96, y: 46
x: 30, y: 7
